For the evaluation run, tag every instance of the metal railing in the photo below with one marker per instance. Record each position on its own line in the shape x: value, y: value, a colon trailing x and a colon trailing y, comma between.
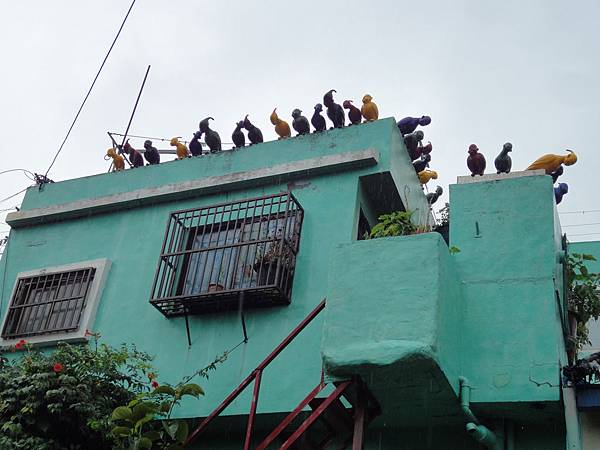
x: 255, y: 376
x: 210, y: 255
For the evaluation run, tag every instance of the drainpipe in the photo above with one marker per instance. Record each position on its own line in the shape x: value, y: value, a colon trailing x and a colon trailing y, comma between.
x: 477, y: 431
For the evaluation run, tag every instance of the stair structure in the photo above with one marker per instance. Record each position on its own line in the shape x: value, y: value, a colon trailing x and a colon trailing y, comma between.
x: 330, y: 424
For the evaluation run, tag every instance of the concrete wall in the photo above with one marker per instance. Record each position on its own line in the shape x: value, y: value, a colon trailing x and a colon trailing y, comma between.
x: 513, y: 345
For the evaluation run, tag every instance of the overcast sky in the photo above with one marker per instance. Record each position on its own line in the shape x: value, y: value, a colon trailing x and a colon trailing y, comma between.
x: 487, y: 72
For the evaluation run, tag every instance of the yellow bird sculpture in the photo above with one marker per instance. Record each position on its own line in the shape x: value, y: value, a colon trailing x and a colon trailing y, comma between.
x: 282, y: 128
x: 550, y: 163
x: 182, y: 150
x: 118, y: 160
x: 369, y: 109
x: 427, y: 175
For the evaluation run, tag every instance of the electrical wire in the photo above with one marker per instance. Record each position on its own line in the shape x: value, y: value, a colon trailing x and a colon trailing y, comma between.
x: 90, y: 89
x: 581, y: 212
x: 29, y: 174
x: 581, y: 224
x: 14, y: 195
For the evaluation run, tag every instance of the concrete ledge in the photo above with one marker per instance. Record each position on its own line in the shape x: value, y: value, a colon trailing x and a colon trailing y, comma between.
x: 169, y: 192
x: 498, y: 176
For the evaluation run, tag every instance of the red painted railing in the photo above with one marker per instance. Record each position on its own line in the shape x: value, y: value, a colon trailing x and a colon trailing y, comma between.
x: 255, y: 376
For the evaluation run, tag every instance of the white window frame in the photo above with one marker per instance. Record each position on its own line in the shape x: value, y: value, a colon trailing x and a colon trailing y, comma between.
x: 94, y: 294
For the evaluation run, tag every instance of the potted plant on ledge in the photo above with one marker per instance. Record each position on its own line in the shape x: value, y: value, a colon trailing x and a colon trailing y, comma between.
x: 583, y: 289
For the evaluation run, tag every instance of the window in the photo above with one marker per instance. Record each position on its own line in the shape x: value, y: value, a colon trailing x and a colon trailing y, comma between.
x: 212, y: 256
x: 56, y: 304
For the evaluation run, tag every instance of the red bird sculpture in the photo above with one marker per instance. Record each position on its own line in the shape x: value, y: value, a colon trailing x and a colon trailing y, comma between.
x: 135, y: 157
x: 354, y: 113
x: 475, y: 161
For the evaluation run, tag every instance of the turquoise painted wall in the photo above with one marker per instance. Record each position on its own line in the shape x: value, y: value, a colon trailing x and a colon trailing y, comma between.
x: 132, y: 240
x: 512, y: 338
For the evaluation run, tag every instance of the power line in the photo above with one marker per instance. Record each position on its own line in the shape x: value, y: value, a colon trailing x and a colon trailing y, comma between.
x: 581, y: 224
x: 581, y: 212
x: 14, y: 195
x: 90, y: 89
x: 26, y: 172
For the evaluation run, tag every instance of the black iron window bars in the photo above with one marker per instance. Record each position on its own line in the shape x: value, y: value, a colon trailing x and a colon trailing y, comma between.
x: 211, y: 255
x: 49, y: 303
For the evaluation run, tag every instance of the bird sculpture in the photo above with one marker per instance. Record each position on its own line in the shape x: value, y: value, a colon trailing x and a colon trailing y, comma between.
x: 432, y: 197
x: 211, y: 137
x: 254, y: 134
x: 118, y: 161
x: 334, y: 111
x: 503, y: 162
x: 300, y: 123
x: 135, y: 157
x: 196, y: 145
x: 369, y: 109
x: 426, y: 175
x: 317, y: 120
x: 557, y: 173
x: 550, y: 163
x: 151, y: 154
x: 475, y: 161
x: 410, y: 124
x: 413, y: 144
x: 422, y: 163
x: 354, y: 114
x: 560, y: 191
x: 282, y: 128
x: 182, y: 150
x: 238, y: 138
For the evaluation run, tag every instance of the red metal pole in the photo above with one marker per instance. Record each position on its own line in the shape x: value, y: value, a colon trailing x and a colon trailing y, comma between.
x: 315, y: 415
x: 253, y: 406
x: 359, y: 418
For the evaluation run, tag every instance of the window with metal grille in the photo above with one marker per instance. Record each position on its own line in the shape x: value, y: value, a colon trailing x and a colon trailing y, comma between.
x: 51, y: 303
x: 215, y: 255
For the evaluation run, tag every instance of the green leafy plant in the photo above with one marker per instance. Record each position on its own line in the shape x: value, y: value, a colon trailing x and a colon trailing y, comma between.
x: 398, y: 223
x: 145, y: 422
x: 583, y: 294
x: 63, y: 399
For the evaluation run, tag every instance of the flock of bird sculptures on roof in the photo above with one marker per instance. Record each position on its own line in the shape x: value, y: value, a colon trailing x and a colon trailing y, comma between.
x: 419, y: 154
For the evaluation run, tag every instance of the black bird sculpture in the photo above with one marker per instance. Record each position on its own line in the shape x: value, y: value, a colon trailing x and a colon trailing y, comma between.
x: 211, y: 137
x: 432, y: 197
x: 475, y: 161
x: 412, y: 142
x: 135, y: 157
x: 254, y: 134
x: 335, y: 112
x: 151, y: 154
x: 422, y: 163
x: 195, y: 144
x: 238, y: 138
x: 300, y: 123
x: 557, y: 173
x: 317, y: 120
x: 503, y: 162
x: 354, y: 114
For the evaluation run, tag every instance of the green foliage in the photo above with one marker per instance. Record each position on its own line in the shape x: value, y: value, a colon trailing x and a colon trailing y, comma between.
x: 454, y: 250
x: 397, y: 223
x: 146, y: 420
x: 584, y: 294
x: 63, y: 399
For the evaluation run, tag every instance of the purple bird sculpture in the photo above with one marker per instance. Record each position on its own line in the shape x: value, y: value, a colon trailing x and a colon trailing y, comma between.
x: 410, y: 124
x: 559, y: 191
x: 475, y: 161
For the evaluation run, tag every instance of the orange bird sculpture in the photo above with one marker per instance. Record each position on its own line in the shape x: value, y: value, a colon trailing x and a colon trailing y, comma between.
x: 550, y: 163
x: 118, y: 160
x: 282, y: 128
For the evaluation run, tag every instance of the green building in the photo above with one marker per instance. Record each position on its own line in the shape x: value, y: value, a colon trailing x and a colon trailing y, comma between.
x: 415, y: 347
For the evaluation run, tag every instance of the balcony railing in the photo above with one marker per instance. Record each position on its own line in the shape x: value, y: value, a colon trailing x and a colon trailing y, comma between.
x: 210, y: 255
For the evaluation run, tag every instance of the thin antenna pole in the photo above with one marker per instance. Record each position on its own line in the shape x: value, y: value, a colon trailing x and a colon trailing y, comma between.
x: 135, y: 106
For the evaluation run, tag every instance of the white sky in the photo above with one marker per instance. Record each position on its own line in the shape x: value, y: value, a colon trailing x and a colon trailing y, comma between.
x: 487, y: 72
